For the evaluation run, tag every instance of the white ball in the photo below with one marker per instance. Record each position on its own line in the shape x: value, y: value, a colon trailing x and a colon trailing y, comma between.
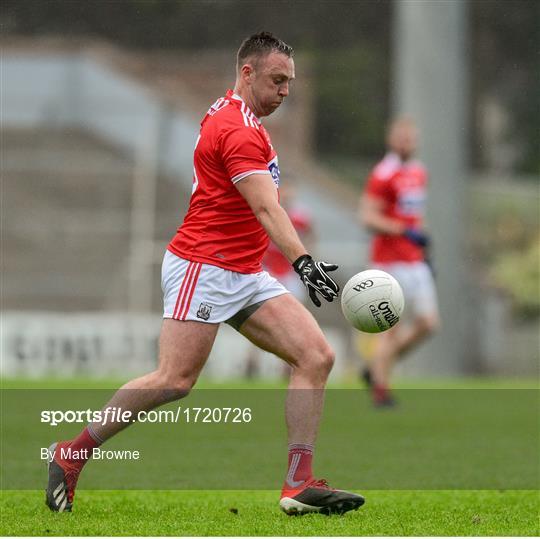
x: 372, y: 301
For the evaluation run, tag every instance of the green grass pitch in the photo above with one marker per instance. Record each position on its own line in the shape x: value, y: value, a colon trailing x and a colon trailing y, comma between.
x: 245, y: 513
x: 256, y: 513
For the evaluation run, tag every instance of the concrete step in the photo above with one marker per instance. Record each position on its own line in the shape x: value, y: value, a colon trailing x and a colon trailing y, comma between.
x: 67, y: 222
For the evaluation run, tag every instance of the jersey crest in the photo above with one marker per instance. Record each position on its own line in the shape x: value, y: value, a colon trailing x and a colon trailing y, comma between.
x: 274, y: 170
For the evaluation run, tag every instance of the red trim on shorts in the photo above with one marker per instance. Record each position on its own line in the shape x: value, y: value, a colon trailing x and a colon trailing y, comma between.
x: 187, y: 291
x: 193, y: 285
x: 182, y: 287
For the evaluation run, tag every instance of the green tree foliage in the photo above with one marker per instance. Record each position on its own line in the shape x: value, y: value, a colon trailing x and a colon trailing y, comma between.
x: 518, y: 272
x: 351, y: 101
x: 506, y: 63
x: 505, y: 244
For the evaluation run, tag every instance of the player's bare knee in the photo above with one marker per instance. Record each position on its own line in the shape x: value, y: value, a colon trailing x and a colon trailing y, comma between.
x: 329, y: 359
x: 171, y: 394
x: 429, y: 325
x: 391, y: 335
x: 434, y: 325
x: 174, y: 387
x: 181, y: 387
x: 322, y: 359
x: 317, y: 359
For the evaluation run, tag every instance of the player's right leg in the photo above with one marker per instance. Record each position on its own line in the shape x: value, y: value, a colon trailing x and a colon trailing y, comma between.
x: 184, y: 347
x: 421, y: 319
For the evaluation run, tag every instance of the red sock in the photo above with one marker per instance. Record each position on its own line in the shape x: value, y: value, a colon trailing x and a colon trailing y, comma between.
x: 380, y: 392
x: 300, y: 457
x: 80, y: 449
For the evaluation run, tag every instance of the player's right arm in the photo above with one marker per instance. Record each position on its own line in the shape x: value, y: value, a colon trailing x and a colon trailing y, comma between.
x: 260, y: 193
x: 245, y: 156
x: 372, y: 217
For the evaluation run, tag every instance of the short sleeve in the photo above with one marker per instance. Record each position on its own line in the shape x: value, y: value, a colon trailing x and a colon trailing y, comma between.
x: 377, y: 187
x: 244, y: 152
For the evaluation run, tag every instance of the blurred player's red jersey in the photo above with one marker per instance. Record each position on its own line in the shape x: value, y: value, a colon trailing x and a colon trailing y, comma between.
x: 402, y: 187
x: 220, y: 227
x: 274, y: 261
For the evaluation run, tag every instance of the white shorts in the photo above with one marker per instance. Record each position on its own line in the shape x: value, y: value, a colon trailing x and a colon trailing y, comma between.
x: 205, y: 293
x: 418, y: 286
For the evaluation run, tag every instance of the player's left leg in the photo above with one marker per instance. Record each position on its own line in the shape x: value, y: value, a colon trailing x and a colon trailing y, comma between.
x: 284, y: 327
x: 421, y: 321
x: 391, y: 347
x: 183, y: 349
x: 422, y: 327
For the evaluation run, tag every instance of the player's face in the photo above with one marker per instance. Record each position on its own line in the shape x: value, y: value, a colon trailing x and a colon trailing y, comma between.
x: 403, y: 140
x: 270, y: 82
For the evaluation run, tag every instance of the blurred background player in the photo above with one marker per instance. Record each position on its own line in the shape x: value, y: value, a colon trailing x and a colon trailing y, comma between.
x: 392, y: 208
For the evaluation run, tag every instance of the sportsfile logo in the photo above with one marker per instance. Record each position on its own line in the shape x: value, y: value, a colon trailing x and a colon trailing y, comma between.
x: 383, y: 311
x: 113, y: 414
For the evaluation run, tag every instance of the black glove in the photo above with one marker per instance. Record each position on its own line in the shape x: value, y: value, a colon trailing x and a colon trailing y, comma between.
x: 316, y: 279
x: 417, y: 237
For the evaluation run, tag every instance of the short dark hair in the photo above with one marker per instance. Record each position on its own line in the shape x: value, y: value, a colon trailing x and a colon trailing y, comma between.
x: 261, y: 44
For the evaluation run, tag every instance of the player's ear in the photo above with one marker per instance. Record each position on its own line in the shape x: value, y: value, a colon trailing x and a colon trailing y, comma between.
x: 247, y: 73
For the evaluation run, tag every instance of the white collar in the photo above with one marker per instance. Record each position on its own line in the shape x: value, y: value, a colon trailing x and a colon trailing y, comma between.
x: 238, y: 98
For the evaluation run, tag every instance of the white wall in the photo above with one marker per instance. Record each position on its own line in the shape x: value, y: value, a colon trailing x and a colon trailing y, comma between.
x: 98, y: 345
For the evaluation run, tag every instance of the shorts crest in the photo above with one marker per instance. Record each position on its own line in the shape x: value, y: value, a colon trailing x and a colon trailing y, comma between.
x: 204, y: 311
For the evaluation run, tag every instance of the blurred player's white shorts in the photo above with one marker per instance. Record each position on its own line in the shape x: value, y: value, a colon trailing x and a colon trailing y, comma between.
x: 205, y: 293
x: 418, y: 286
x: 294, y: 285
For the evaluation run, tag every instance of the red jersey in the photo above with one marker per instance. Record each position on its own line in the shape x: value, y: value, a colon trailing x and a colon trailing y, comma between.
x: 274, y: 261
x: 220, y: 228
x: 402, y: 187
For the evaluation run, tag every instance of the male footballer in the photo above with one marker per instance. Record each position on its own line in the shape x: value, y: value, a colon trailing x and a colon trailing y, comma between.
x: 212, y: 273
x: 392, y: 207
